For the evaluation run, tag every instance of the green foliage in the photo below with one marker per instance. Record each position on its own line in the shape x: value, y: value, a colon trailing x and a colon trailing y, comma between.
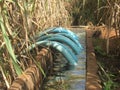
x: 41, y: 69
x: 9, y: 47
x: 108, y: 85
x: 99, y: 50
x: 107, y: 78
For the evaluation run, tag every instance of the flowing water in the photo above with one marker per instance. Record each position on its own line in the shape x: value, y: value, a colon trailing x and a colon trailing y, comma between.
x: 65, y: 77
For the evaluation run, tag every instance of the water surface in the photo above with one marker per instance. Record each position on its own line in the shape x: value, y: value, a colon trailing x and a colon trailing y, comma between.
x: 65, y: 77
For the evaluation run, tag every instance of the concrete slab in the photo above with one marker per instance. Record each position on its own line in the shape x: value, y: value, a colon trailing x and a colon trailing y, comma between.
x: 92, y: 80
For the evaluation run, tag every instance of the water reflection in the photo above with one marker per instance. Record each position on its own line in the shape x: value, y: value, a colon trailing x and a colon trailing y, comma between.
x: 66, y: 77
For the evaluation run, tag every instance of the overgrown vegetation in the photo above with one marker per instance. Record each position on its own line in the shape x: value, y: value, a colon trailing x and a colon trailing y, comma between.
x: 108, y: 65
x: 84, y: 11
x: 21, y: 20
x: 107, y: 14
x: 108, y: 51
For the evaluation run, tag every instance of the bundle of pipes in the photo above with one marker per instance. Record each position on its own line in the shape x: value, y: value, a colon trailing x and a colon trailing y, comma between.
x: 63, y: 40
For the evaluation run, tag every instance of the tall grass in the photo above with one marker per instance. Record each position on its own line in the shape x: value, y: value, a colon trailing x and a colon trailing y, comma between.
x: 9, y: 47
x: 20, y: 21
x: 106, y: 80
x: 97, y: 12
x: 83, y: 11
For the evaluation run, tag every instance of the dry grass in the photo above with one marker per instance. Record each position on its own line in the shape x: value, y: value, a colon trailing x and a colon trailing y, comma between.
x: 20, y: 21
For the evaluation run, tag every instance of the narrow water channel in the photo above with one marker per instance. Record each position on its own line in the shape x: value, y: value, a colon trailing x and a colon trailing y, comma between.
x: 65, y: 77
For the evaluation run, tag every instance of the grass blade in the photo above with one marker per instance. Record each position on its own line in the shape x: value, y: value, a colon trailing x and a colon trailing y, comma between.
x: 4, y: 77
x: 9, y: 47
x: 84, y: 1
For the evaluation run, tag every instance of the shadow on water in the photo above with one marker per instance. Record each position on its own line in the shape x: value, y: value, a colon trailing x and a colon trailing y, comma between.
x: 66, y: 77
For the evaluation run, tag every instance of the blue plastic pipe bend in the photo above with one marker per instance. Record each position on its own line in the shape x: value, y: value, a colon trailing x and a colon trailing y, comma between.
x: 61, y: 39
x: 59, y: 30
x: 60, y: 47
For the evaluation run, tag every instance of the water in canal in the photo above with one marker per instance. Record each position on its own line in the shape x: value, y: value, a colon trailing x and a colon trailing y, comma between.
x: 66, y: 77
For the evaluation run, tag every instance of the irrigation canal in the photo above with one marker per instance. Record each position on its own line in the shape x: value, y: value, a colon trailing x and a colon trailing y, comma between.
x: 65, y: 77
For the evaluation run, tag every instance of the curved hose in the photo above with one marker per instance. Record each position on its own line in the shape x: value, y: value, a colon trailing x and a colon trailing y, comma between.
x: 61, y: 39
x: 65, y: 35
x: 74, y: 40
x: 67, y: 42
x: 59, y: 30
x: 63, y: 30
x: 58, y: 46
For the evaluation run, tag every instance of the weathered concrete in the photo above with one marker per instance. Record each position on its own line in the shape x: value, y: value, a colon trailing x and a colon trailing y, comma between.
x: 32, y: 78
x: 93, y: 81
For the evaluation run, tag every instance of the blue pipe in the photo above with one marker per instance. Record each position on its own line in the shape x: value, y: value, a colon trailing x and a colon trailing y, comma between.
x: 59, y: 30
x: 63, y: 30
x: 68, y: 42
x: 58, y: 46
x: 71, y: 38
x: 61, y: 39
x: 65, y: 35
